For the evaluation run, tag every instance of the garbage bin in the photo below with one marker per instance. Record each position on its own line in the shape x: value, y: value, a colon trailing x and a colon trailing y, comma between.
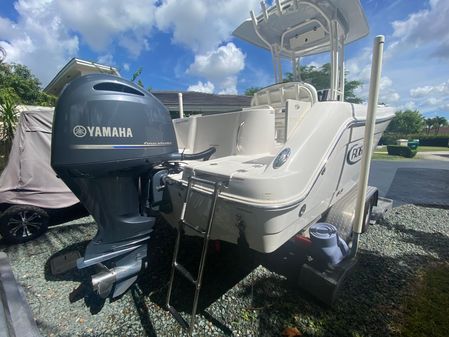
x: 413, y: 144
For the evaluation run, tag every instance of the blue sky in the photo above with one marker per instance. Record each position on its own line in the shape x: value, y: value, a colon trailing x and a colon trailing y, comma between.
x: 187, y: 44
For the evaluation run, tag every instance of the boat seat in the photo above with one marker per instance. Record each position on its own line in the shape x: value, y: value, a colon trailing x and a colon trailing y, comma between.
x: 246, y: 132
x: 290, y: 101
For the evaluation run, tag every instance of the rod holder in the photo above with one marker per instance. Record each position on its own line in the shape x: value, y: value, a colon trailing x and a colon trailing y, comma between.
x: 181, y: 105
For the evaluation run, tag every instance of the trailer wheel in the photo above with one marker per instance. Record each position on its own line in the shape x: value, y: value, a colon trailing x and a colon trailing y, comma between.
x: 22, y: 223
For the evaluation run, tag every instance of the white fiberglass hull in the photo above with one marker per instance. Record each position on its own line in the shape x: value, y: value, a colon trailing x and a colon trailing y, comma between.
x: 265, y: 206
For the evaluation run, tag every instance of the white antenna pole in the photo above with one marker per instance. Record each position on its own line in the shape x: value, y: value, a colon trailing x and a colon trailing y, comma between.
x: 376, y: 69
x: 181, y: 106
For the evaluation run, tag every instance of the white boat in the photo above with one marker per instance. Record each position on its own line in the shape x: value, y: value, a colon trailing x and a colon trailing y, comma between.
x: 277, y: 167
x: 287, y: 159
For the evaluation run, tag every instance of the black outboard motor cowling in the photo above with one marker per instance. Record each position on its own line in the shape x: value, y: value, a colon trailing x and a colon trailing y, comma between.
x: 108, y: 134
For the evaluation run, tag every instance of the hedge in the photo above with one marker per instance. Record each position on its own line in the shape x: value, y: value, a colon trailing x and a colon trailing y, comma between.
x: 424, y: 140
x: 403, y: 151
x: 434, y: 140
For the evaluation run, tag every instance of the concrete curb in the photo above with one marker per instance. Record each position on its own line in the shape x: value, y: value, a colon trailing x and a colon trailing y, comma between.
x: 16, y: 319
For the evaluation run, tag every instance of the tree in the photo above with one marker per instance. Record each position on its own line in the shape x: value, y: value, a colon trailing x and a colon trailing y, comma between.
x: 8, y: 117
x: 406, y: 122
x: 251, y: 91
x: 17, y: 86
x: 25, y: 85
x: 429, y: 124
x: 319, y: 77
x: 2, y: 54
x: 350, y: 87
x: 136, y: 76
x: 439, y: 122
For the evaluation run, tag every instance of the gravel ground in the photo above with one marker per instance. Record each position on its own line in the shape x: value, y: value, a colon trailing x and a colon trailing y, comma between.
x: 244, y: 294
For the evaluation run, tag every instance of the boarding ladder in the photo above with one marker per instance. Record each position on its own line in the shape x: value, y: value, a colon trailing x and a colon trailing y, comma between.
x: 205, y: 234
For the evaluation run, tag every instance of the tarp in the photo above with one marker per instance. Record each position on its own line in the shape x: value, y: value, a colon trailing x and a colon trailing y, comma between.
x: 28, y: 178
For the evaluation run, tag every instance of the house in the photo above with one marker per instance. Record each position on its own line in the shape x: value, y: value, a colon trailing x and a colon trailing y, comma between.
x: 193, y: 102
x: 73, y: 69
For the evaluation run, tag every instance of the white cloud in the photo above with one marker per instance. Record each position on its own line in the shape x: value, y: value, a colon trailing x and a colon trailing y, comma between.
x: 126, y: 66
x: 359, y: 68
x: 220, y: 66
x: 228, y: 86
x: 417, y: 39
x: 207, y: 87
x: 432, y: 97
x: 100, y: 23
x: 314, y: 64
x: 421, y: 91
x: 441, y: 89
x: 425, y: 28
x: 435, y: 101
x: 6, y: 31
x: 409, y: 105
x: 390, y: 97
x: 201, y: 25
x: 224, y: 61
x: 106, y: 59
x: 38, y: 39
x: 47, y: 33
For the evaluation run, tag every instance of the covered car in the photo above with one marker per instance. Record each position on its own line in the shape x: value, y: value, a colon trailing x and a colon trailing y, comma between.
x: 29, y: 188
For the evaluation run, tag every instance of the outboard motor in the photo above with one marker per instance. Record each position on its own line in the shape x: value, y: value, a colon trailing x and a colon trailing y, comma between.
x: 108, y: 135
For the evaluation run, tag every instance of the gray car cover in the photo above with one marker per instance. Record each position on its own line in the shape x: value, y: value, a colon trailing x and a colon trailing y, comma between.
x: 28, y: 178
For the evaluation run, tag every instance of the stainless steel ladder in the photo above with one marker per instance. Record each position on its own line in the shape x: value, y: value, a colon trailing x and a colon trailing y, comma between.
x: 180, y: 268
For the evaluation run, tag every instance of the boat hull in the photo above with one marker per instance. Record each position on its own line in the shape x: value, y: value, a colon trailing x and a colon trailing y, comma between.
x: 265, y: 224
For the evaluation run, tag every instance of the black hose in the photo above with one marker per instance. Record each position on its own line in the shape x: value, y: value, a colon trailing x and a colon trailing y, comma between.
x: 204, y: 155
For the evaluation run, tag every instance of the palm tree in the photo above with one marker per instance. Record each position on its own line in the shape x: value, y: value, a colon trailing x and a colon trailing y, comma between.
x: 429, y: 123
x: 439, y: 122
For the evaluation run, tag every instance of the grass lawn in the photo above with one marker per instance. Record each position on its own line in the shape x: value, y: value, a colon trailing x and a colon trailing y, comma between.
x: 381, y: 153
x: 432, y: 148
x: 425, y: 310
x: 385, y: 156
x: 420, y: 149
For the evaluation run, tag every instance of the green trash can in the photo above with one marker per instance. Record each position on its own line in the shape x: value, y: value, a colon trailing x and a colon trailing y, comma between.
x: 413, y: 144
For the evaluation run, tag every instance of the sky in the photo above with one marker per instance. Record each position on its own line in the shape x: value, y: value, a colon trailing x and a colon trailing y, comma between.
x: 187, y: 45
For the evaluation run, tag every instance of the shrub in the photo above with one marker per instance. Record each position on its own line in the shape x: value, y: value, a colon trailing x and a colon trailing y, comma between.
x: 428, y: 140
x: 403, y: 151
x: 389, y: 138
x: 8, y: 118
